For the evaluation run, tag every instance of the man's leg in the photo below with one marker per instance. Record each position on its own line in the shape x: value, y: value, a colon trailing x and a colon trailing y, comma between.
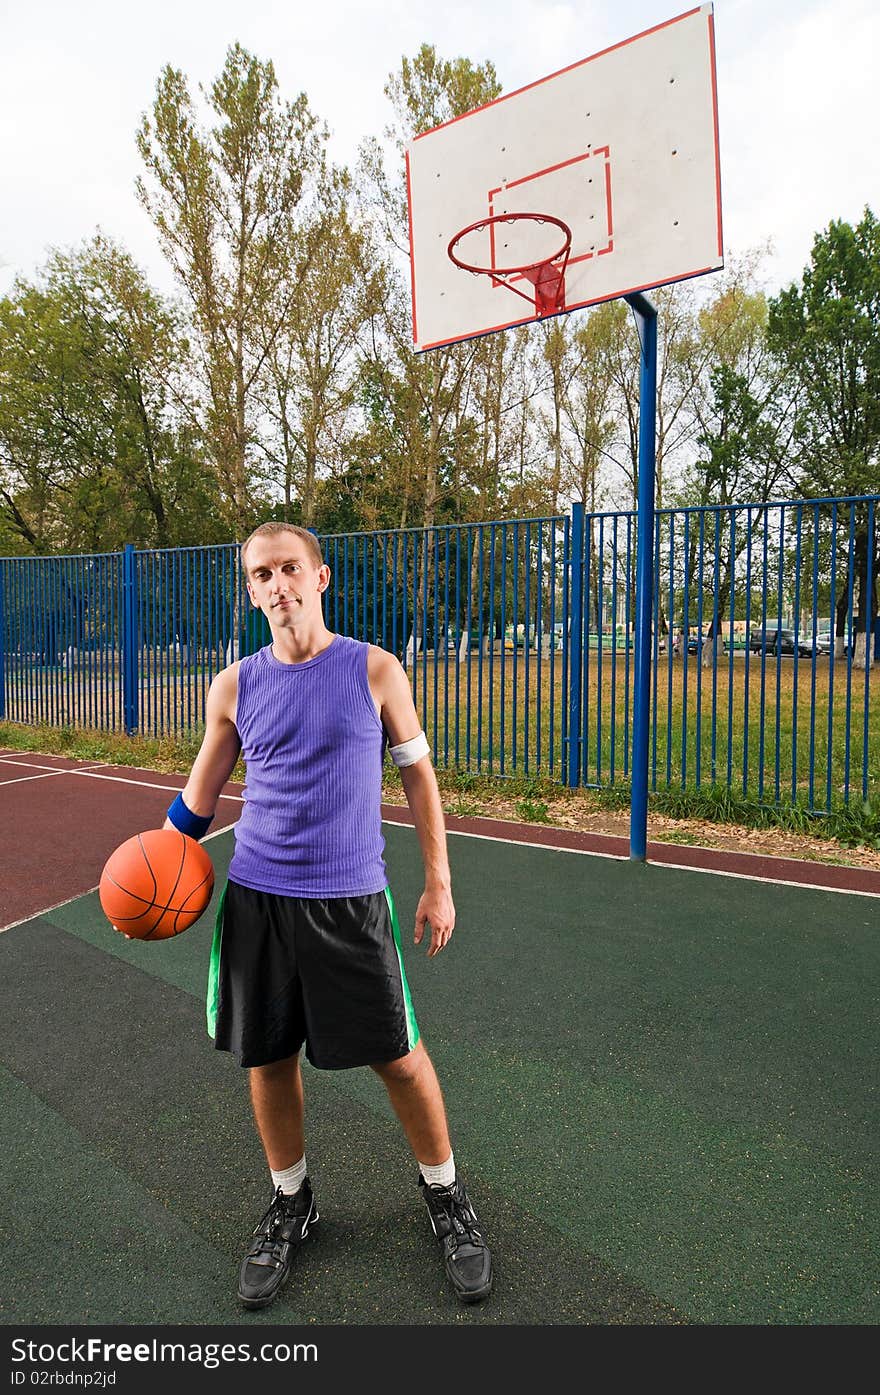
x: 277, y: 1099
x: 416, y: 1098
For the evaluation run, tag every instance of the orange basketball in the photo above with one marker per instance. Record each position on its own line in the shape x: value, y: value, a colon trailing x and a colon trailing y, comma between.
x: 156, y: 884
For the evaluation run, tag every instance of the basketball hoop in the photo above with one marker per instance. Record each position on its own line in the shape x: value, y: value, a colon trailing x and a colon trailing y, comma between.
x: 547, y: 276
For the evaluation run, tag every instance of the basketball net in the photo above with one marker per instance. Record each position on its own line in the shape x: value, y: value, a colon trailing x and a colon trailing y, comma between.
x: 546, y: 276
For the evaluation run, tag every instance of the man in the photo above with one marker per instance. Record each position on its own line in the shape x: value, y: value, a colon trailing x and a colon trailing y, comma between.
x: 306, y: 950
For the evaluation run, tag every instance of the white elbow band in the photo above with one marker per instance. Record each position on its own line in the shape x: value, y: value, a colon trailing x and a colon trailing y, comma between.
x: 408, y: 752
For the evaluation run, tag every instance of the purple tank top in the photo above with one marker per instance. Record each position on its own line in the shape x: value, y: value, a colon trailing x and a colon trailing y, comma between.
x: 311, y: 824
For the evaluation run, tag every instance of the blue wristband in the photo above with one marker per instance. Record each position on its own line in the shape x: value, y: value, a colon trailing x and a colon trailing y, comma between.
x: 194, y: 825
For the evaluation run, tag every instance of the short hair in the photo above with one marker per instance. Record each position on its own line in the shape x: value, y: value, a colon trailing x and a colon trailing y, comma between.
x: 271, y: 530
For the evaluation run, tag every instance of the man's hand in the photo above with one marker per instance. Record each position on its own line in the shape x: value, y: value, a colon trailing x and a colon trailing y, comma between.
x: 435, y: 908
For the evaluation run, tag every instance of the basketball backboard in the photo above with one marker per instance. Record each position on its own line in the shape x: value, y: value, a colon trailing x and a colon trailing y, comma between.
x: 621, y: 147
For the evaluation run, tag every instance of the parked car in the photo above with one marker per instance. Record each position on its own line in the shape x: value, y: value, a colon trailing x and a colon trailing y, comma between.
x: 824, y: 642
x: 780, y: 642
x: 696, y: 643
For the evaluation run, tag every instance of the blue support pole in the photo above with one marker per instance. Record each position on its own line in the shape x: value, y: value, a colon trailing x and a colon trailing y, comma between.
x: 575, y: 641
x: 646, y: 319
x: 129, y: 641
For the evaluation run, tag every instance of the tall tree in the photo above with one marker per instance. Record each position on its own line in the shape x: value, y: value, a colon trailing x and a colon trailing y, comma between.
x: 493, y: 469
x: 679, y: 364
x: 826, y: 332
x: 96, y: 446
x: 427, y: 90
x: 581, y: 409
x: 744, y: 406
x: 224, y: 202
x: 308, y: 388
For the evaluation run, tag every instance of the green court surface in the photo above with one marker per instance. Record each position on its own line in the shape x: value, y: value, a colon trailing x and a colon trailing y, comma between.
x: 661, y: 1084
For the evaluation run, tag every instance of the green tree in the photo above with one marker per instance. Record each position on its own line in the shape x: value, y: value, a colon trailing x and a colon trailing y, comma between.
x: 427, y: 388
x: 225, y: 203
x: 731, y: 411
x: 96, y: 442
x: 492, y: 469
x: 826, y: 331
x: 580, y: 419
x: 743, y: 405
x: 681, y: 357
x: 308, y: 388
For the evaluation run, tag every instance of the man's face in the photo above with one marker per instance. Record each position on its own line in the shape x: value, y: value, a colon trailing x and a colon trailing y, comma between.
x: 284, y: 581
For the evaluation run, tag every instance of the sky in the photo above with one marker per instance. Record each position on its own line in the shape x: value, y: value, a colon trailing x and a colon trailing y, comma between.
x: 796, y: 94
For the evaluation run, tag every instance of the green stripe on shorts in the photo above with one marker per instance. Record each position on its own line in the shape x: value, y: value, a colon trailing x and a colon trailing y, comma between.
x: 412, y: 1028
x: 214, y: 968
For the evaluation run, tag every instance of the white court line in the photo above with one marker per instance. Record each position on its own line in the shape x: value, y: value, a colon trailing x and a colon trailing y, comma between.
x: 49, y: 772
x: 17, y: 757
x: 666, y: 866
x: 772, y: 881
x: 545, y: 847
x: 89, y: 770
x: 55, y: 769
x: 89, y: 773
x: 26, y: 779
x: 35, y: 915
x: 144, y: 784
x: 515, y: 843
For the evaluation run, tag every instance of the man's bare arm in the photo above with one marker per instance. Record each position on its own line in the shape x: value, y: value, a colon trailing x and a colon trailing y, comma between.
x: 435, y: 906
x: 391, y: 690
x: 219, y: 750
x: 423, y: 798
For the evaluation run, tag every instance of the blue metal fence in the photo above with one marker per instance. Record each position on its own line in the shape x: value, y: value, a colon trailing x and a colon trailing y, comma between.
x: 477, y: 614
x: 518, y: 637
x: 761, y: 619
x: 62, y: 631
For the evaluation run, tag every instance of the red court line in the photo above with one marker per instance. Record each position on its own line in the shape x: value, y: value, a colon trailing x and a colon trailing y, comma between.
x: 754, y: 866
x: 58, y: 833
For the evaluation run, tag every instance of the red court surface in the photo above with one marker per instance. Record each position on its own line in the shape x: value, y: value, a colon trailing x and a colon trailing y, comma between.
x: 62, y: 818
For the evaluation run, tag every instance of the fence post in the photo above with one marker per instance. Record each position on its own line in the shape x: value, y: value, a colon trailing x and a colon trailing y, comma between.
x: 575, y: 583
x: 646, y: 319
x: 2, y: 643
x: 130, y: 645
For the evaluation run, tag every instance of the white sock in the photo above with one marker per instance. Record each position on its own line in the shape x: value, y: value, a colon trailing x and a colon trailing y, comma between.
x: 442, y: 1176
x: 291, y: 1179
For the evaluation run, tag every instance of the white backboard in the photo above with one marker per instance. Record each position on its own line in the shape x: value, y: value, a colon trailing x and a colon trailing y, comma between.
x: 623, y: 147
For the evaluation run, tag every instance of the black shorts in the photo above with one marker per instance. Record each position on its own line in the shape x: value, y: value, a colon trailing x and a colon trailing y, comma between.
x: 287, y: 970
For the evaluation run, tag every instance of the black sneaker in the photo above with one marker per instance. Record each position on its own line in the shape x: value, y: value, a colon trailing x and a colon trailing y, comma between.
x: 278, y: 1235
x: 465, y: 1252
